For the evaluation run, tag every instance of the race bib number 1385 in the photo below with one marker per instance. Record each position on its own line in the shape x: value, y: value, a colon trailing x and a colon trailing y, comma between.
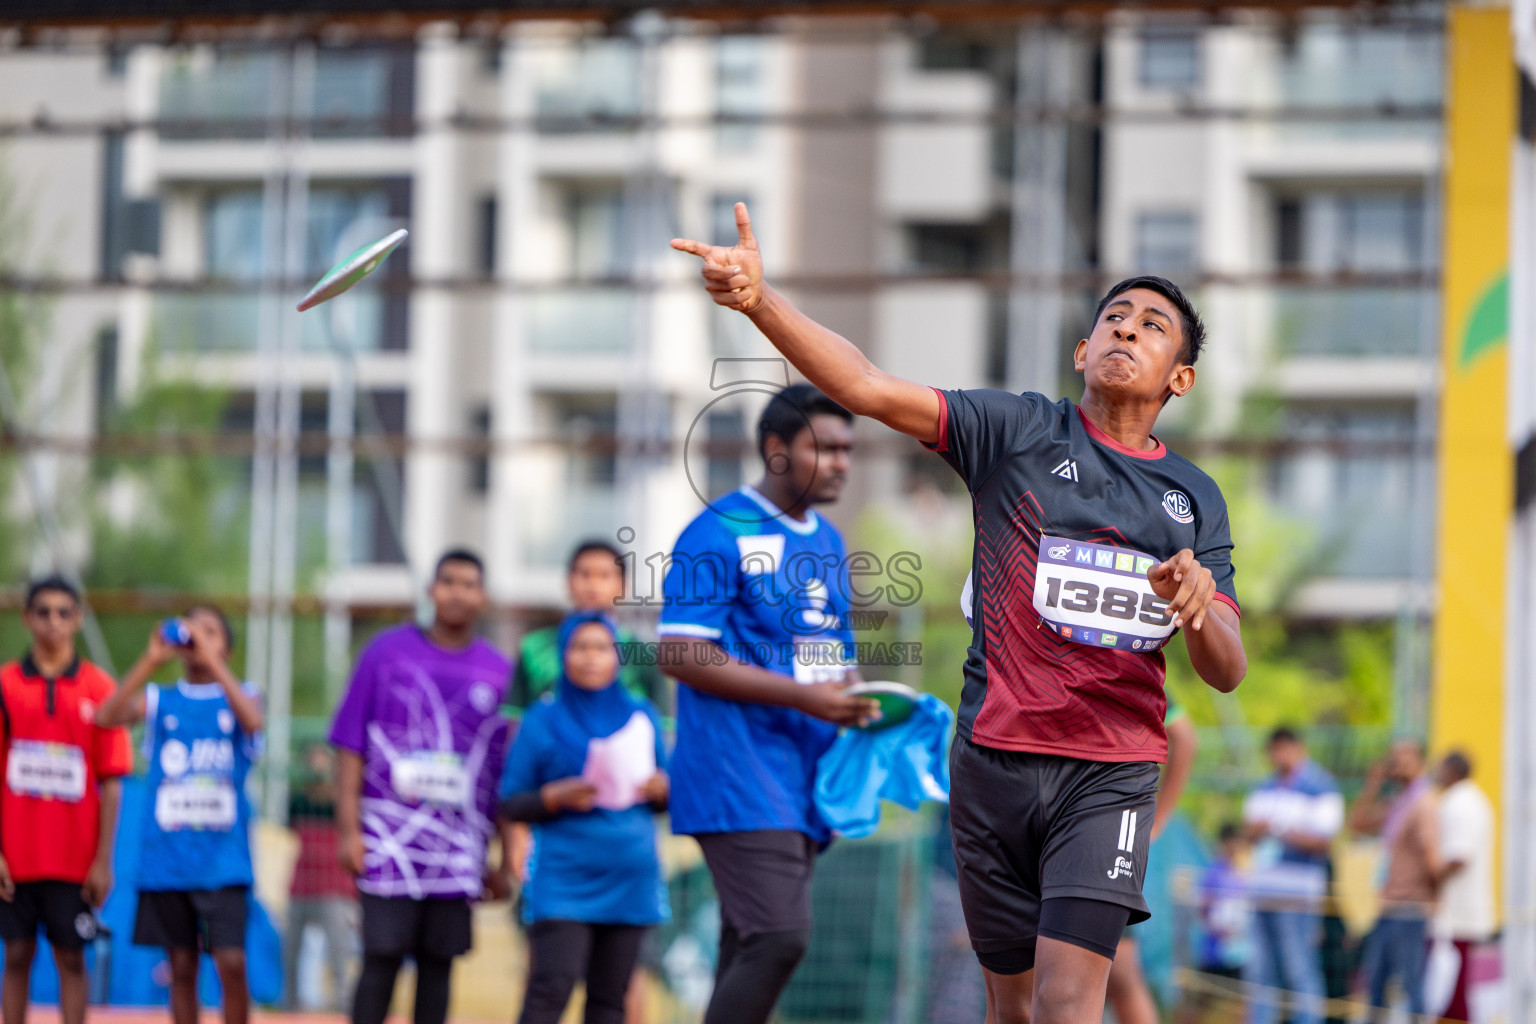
x: 1098, y: 595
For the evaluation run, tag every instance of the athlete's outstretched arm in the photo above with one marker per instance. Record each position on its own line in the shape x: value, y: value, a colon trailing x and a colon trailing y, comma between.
x: 733, y: 276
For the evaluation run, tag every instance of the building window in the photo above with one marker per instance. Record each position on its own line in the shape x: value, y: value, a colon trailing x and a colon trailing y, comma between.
x: 1167, y: 241
x: 1352, y: 478
x: 597, y: 225
x: 739, y: 88
x: 960, y: 248
x: 106, y: 377
x: 1170, y: 58
x: 486, y: 215
x: 727, y: 439
x: 480, y: 461
x: 722, y: 216
x: 950, y: 51
x: 1359, y: 231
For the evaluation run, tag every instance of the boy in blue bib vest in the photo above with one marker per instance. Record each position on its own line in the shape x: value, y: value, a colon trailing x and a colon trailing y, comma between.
x: 200, y: 736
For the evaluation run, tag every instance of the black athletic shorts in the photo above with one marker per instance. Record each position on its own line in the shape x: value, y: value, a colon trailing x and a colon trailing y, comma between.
x: 763, y: 879
x: 1030, y: 827
x: 401, y: 926
x: 205, y: 919
x: 56, y: 907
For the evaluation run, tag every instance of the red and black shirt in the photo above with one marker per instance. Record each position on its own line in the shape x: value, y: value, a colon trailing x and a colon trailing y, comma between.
x: 53, y: 756
x: 1035, y: 468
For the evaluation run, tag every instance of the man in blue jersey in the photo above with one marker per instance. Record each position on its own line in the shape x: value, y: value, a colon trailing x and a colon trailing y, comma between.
x: 201, y: 735
x: 755, y: 624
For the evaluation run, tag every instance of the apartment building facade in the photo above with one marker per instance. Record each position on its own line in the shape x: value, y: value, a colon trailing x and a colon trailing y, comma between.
x: 950, y: 197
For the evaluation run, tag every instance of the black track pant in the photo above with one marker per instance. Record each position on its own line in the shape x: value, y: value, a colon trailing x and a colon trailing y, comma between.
x: 562, y: 953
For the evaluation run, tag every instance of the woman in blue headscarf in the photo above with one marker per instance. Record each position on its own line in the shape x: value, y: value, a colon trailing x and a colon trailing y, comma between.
x: 587, y: 772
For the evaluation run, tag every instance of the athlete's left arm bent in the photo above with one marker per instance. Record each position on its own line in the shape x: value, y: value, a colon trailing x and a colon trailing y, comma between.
x: 1216, y: 648
x: 1213, y: 631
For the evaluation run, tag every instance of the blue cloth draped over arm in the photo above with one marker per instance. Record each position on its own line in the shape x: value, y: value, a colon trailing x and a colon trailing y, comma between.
x: 906, y: 763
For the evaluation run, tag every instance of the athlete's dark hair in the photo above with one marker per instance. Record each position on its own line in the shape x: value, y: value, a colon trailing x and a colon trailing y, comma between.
x: 790, y: 411
x: 464, y: 555
x: 1192, y: 327
x: 1284, y: 734
x: 1231, y: 830
x: 587, y: 547
x: 218, y: 613
x: 56, y: 584
x: 1458, y: 765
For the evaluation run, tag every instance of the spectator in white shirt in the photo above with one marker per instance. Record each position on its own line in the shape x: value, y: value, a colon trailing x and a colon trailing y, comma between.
x: 1465, y: 913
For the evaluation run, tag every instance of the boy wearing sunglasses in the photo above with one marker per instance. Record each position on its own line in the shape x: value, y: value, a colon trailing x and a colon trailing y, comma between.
x: 59, y: 793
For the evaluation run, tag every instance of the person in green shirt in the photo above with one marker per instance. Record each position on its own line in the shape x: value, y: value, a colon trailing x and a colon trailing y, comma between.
x: 595, y: 579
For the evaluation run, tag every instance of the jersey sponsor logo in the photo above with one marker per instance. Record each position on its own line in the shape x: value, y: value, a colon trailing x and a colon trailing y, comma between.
x: 1067, y: 470
x: 1176, y: 504
x: 1127, y: 845
x: 170, y: 722
x: 205, y: 755
x: 88, y: 711
x: 85, y: 926
x: 1128, y: 831
x: 482, y: 696
x: 226, y: 721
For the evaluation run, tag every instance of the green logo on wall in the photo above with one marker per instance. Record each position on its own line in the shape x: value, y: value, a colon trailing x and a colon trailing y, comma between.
x: 1488, y: 326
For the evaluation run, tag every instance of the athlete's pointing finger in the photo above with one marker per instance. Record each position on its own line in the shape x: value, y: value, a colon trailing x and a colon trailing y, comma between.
x: 689, y: 245
x: 744, y: 227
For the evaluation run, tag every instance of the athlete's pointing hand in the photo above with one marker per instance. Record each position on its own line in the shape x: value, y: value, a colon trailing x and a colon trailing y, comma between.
x: 1186, y: 585
x: 733, y: 275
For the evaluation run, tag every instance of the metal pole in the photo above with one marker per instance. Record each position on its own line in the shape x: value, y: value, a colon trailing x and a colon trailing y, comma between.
x: 341, y: 413
x: 1037, y: 236
x: 286, y: 476
x: 639, y: 408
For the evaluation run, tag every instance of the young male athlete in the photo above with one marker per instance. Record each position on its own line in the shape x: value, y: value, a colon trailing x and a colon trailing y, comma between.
x: 756, y: 600
x: 1094, y: 543
x: 60, y: 785
x: 201, y: 736
x: 420, y: 744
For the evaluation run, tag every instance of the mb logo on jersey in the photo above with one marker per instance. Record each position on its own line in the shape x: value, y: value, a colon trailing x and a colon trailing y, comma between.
x: 1123, y: 864
x: 1176, y: 504
x: 1067, y: 470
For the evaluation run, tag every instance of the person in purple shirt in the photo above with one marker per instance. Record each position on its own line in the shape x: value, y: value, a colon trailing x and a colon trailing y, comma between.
x: 421, y: 744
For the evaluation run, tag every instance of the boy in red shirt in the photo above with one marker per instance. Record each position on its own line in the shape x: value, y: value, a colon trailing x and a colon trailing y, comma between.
x: 59, y: 795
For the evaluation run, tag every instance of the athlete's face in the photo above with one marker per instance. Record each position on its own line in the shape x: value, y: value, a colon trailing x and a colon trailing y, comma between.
x: 53, y: 619
x: 816, y: 461
x: 458, y: 594
x: 596, y: 582
x: 1135, y: 349
x: 591, y: 660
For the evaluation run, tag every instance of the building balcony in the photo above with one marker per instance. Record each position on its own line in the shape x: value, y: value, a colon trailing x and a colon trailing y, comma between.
x: 584, y: 319
x: 230, y: 322
x: 237, y: 93
x: 1375, y: 321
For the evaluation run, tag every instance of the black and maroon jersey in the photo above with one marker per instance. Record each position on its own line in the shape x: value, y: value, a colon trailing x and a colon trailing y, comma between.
x: 1065, y: 653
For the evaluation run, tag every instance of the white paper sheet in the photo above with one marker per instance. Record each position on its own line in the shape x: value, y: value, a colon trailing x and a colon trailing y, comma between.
x: 620, y: 764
